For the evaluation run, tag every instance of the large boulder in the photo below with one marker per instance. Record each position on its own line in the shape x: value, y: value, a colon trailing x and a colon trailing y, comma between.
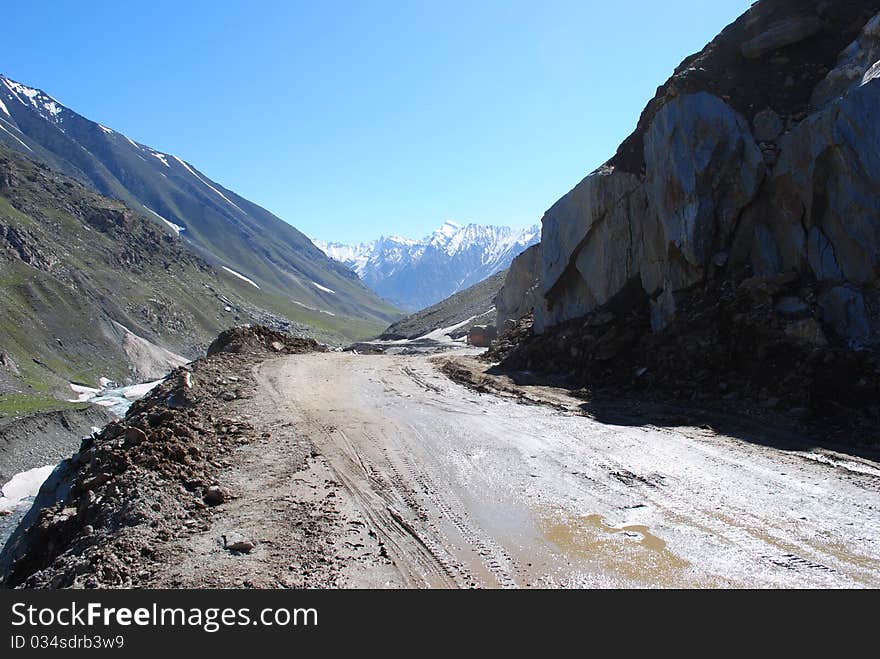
x: 521, y: 292
x: 568, y: 223
x: 481, y: 336
x: 703, y: 167
x: 819, y: 214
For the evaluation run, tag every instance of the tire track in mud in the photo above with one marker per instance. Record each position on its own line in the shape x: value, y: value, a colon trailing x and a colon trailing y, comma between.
x: 462, y: 499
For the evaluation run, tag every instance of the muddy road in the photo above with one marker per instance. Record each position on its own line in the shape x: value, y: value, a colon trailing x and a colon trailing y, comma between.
x: 470, y: 490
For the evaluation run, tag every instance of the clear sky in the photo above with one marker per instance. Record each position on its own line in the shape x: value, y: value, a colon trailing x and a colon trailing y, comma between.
x: 352, y: 119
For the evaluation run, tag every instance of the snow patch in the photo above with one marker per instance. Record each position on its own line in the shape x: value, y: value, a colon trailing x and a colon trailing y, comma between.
x: 4, y: 109
x: 45, y: 105
x: 83, y: 393
x: 223, y: 196
x: 240, y: 276
x: 117, y: 399
x: 105, y: 129
x: 161, y: 157
x: 442, y: 335
x: 23, y: 487
x: 174, y: 227
x: 323, y: 288
x: 15, y: 138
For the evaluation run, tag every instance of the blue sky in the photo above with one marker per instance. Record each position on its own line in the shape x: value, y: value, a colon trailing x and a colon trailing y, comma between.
x: 351, y: 119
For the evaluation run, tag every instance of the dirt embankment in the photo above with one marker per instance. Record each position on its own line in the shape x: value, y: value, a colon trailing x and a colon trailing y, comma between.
x: 113, y: 515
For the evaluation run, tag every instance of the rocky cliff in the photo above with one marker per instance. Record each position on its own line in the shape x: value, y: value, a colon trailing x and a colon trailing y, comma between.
x: 741, y: 215
x: 758, y: 157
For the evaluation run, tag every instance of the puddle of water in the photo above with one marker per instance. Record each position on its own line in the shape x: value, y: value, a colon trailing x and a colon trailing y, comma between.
x: 631, y: 552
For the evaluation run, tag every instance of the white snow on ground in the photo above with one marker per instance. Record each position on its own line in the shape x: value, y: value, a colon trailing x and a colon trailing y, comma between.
x: 442, y: 334
x: 240, y: 276
x: 117, y: 399
x: 132, y: 142
x: 305, y: 306
x: 3, y: 107
x: 161, y: 157
x: 190, y: 170
x: 83, y: 394
x: 174, y: 227
x: 15, y: 138
x: 323, y: 288
x: 39, y: 100
x: 105, y: 129
x: 23, y: 486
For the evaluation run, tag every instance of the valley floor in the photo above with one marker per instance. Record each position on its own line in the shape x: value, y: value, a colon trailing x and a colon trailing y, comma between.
x: 422, y: 482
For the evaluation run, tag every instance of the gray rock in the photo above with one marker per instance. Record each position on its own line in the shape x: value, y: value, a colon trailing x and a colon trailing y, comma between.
x: 808, y: 330
x: 827, y: 180
x: 8, y: 363
x: 781, y: 34
x: 703, y: 167
x: 568, y: 222
x: 792, y: 307
x: 521, y: 291
x: 855, y: 66
x: 820, y: 254
x: 844, y: 310
x: 767, y: 126
x: 236, y: 542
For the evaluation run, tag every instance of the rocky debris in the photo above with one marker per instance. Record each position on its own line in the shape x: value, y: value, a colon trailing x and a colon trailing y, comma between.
x: 759, y: 344
x: 109, y: 512
x: 23, y: 245
x: 45, y: 438
x: 755, y: 164
x: 481, y: 336
x: 107, y: 219
x: 257, y: 338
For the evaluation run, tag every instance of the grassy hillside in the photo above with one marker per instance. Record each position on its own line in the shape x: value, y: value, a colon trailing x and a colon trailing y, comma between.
x: 78, y: 269
x: 295, y: 277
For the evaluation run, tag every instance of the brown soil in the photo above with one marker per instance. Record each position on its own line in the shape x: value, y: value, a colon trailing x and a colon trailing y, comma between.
x: 135, y: 504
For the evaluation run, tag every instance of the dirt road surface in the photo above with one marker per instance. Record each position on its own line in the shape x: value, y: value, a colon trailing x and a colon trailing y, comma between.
x: 470, y: 490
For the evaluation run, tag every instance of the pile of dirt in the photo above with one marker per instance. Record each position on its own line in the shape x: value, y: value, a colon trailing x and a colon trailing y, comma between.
x: 258, y: 338
x: 757, y: 345
x: 108, y: 514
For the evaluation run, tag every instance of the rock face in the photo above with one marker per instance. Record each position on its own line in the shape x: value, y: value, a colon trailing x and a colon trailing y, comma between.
x: 760, y: 157
x: 521, y: 291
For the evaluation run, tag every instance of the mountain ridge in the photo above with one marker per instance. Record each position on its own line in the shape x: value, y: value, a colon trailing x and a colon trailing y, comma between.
x: 415, y: 274
x: 228, y: 230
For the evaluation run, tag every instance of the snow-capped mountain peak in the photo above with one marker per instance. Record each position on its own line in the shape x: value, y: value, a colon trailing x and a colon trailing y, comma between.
x: 414, y: 274
x: 44, y: 104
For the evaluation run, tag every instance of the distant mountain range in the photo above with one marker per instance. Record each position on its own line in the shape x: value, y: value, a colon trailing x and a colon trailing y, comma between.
x: 242, y: 240
x: 415, y: 274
